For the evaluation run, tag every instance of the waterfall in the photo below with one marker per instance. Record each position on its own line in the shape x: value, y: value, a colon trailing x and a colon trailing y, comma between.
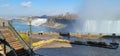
x: 98, y: 16
x: 101, y: 26
x: 38, y: 22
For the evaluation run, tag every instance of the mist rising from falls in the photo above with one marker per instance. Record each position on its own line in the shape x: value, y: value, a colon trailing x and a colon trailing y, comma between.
x: 100, y: 16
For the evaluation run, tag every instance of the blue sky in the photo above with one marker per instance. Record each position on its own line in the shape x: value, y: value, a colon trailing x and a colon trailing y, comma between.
x: 51, y: 7
x: 38, y: 7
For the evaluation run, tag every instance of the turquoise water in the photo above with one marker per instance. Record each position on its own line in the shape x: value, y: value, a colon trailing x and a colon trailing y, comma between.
x: 21, y: 26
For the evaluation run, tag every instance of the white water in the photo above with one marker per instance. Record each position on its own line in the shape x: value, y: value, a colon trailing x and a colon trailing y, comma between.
x: 101, y: 26
x: 38, y: 22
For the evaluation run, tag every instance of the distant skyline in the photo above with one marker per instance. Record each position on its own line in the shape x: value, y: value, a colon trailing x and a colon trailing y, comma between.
x: 38, y: 7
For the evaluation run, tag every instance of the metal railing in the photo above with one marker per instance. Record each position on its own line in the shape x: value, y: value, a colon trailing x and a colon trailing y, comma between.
x: 17, y: 35
x: 7, y: 44
x: 22, y: 40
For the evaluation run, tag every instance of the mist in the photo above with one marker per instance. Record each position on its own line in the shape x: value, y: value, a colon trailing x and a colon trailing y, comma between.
x: 99, y: 16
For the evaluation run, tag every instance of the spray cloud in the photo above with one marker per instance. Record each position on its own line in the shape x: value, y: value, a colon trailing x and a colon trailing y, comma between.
x: 100, y: 16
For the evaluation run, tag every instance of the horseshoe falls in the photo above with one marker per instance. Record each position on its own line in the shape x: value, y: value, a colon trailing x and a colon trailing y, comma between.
x: 101, y: 26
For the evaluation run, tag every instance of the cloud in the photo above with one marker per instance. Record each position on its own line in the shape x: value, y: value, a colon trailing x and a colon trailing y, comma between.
x: 98, y: 16
x: 26, y: 4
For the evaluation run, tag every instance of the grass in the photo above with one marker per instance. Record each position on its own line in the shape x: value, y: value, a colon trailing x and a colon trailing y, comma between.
x: 45, y: 42
x: 25, y: 37
x: 42, y: 42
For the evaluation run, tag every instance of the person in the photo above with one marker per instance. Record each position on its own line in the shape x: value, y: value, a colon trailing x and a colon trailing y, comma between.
x: 28, y: 33
x: 113, y: 36
x: 68, y: 36
x: 3, y: 24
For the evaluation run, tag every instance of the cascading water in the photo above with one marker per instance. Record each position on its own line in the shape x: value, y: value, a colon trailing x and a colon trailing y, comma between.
x: 99, y: 16
x: 103, y: 26
x: 37, y: 21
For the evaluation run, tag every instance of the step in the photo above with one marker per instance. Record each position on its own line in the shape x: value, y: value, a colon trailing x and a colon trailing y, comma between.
x: 15, y: 43
x: 11, y: 40
x: 22, y: 52
x: 18, y: 48
x: 23, y: 55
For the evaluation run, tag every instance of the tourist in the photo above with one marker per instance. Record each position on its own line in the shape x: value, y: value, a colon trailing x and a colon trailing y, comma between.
x: 3, y: 24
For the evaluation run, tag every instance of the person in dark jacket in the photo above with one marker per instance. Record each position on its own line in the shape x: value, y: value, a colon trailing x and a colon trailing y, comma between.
x: 3, y: 24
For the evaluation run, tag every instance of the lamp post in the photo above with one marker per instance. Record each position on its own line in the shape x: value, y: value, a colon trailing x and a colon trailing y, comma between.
x: 30, y: 34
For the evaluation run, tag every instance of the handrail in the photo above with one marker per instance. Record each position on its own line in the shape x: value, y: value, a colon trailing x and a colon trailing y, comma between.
x: 6, y: 43
x: 17, y: 35
x: 21, y: 39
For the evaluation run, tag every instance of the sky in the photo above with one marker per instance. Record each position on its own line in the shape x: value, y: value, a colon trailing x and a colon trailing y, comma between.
x: 38, y: 7
x: 101, y: 9
x: 94, y: 15
x: 85, y: 8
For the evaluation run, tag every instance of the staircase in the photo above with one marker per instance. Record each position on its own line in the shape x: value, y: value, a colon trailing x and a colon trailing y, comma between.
x: 14, y: 42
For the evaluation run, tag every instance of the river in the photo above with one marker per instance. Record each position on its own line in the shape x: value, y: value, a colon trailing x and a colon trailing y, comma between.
x: 75, y: 50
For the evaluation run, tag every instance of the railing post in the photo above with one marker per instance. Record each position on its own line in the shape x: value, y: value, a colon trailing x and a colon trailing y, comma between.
x: 30, y: 36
